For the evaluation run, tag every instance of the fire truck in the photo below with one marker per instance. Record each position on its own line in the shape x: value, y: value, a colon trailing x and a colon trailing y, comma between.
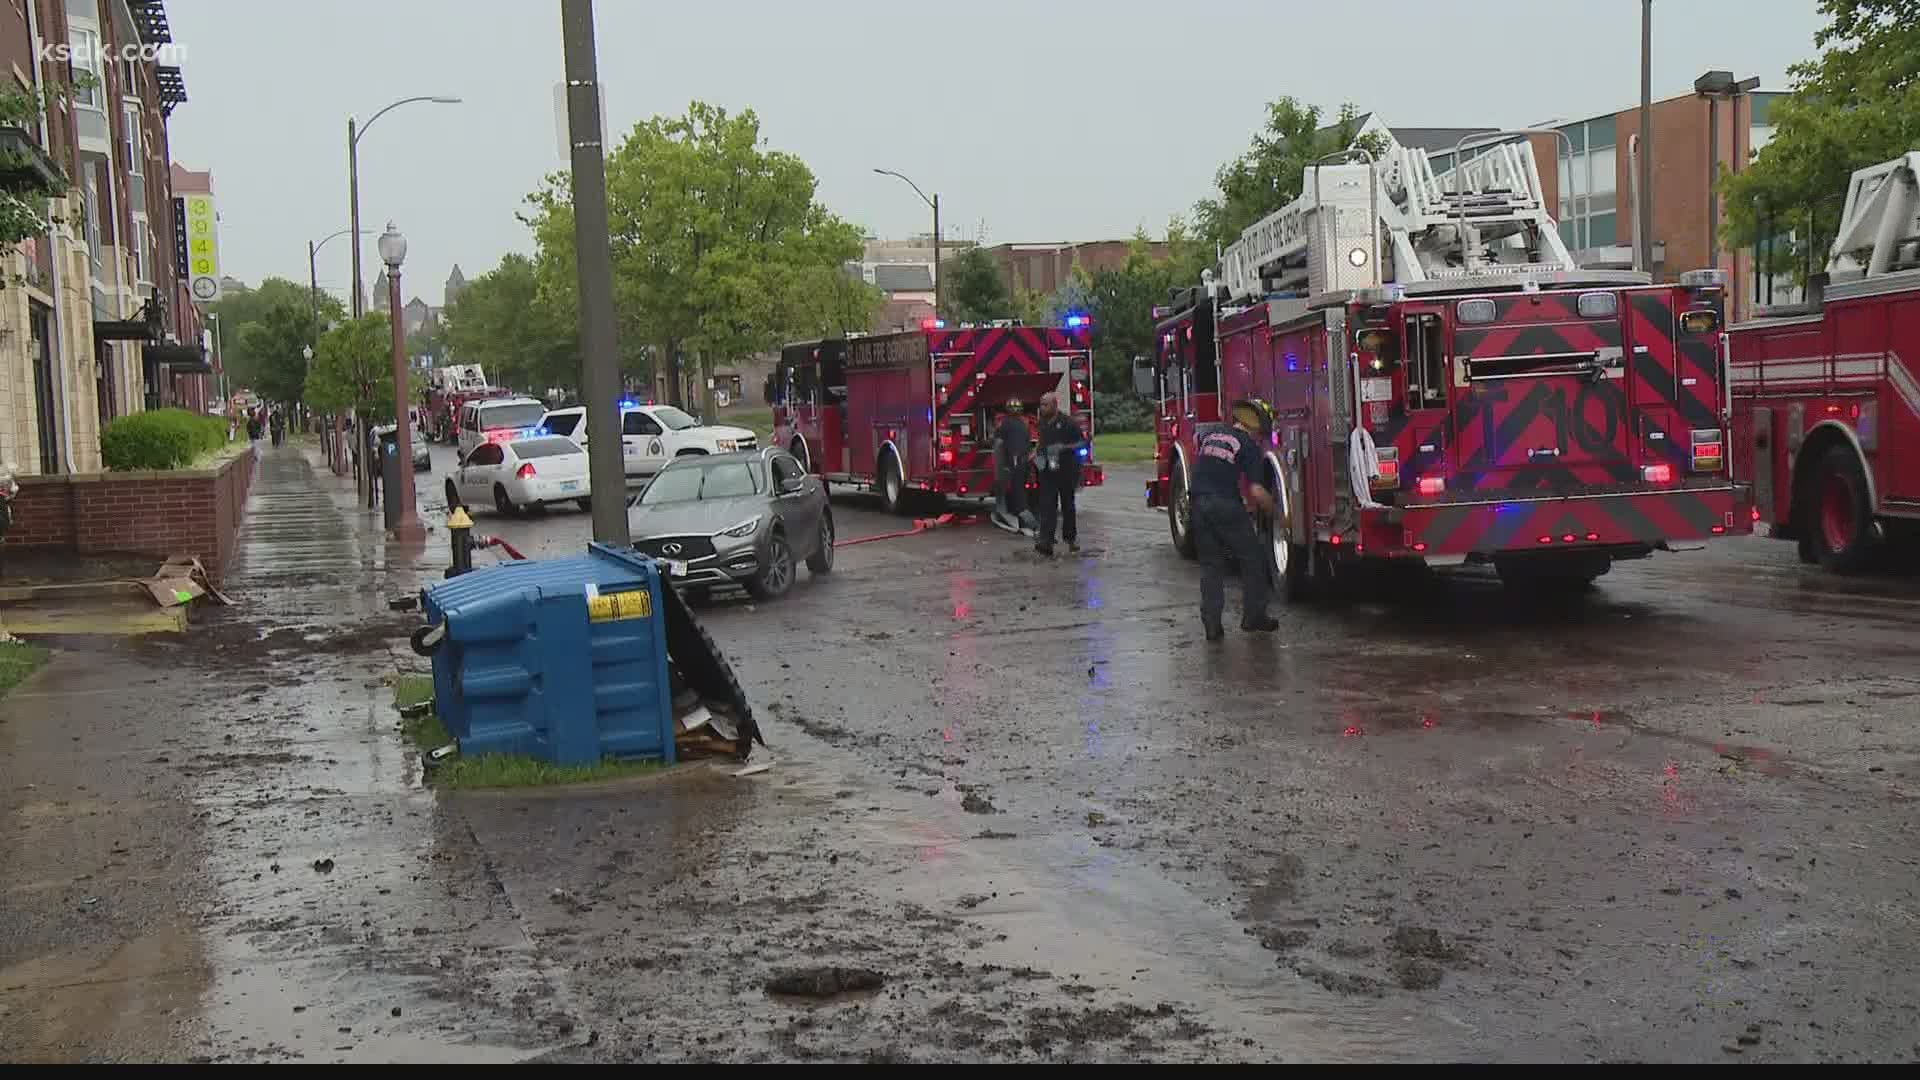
x: 1447, y: 384
x: 914, y: 411
x: 448, y: 388
x: 1827, y: 393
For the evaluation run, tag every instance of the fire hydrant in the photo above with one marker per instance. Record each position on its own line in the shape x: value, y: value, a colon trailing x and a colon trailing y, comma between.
x: 460, y: 528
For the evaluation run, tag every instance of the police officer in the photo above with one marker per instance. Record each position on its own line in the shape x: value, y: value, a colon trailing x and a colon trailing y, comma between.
x: 1224, y: 455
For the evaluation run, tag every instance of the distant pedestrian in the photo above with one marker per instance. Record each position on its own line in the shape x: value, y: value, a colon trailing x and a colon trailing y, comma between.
x: 1058, y: 462
x: 278, y: 423
x: 1226, y: 455
x: 1012, y: 443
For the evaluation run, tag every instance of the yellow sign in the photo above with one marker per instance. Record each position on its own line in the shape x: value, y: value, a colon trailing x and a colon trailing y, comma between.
x: 612, y: 607
x: 203, y: 248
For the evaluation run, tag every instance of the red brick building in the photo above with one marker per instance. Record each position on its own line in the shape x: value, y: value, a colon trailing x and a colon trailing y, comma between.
x: 1043, y: 268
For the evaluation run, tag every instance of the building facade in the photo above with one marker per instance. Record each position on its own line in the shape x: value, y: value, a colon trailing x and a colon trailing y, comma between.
x: 1043, y: 268
x: 94, y: 320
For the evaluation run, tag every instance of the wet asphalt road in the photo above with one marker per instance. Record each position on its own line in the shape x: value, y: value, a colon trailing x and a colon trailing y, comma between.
x: 1669, y: 820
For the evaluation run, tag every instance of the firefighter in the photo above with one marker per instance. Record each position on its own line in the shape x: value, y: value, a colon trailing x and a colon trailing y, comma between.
x: 1058, y: 461
x: 1011, y: 445
x: 1226, y: 453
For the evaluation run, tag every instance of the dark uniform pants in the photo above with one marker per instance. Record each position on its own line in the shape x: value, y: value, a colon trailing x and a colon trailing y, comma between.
x: 1058, y: 487
x: 1222, y: 527
x: 1013, y: 486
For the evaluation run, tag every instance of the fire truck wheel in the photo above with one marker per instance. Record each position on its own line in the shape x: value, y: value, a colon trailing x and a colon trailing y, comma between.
x: 1842, y: 520
x: 893, y: 489
x: 821, y: 561
x: 1180, y: 517
x: 776, y: 577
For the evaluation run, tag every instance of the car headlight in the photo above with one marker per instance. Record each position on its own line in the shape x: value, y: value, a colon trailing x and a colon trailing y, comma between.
x: 745, y: 528
x: 727, y: 446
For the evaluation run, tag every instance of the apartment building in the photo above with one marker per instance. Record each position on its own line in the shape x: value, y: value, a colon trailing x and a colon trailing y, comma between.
x: 95, y: 320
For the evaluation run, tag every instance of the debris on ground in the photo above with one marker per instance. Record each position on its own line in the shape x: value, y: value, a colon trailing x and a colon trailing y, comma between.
x: 824, y: 982
x: 403, y: 603
x: 323, y: 866
x: 977, y: 804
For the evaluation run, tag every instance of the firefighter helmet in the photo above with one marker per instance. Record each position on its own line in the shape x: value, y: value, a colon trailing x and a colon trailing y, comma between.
x: 1014, y: 406
x: 1254, y: 413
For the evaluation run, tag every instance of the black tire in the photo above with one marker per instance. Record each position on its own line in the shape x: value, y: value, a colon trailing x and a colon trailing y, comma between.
x: 1803, y: 546
x: 503, y: 503
x: 585, y: 505
x: 892, y: 485
x: 453, y: 495
x: 776, y: 577
x: 1839, y: 515
x: 1180, y: 516
x: 821, y: 561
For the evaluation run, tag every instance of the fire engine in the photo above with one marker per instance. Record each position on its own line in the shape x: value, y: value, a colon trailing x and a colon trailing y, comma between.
x: 448, y: 388
x: 1447, y: 384
x: 1827, y: 393
x: 914, y: 411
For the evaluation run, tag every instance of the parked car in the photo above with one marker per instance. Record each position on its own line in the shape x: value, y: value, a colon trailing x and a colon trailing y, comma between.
x: 525, y: 473
x: 653, y: 435
x: 498, y: 420
x: 746, y: 518
x: 422, y: 450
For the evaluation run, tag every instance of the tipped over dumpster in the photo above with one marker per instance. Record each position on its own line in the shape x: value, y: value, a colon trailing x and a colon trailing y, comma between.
x: 578, y: 660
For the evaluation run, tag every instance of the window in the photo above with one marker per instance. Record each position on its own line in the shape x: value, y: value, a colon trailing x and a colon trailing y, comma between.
x: 142, y: 259
x: 563, y: 423
x: 551, y: 446
x: 638, y: 423
x: 786, y: 469
x: 90, y: 200
x: 135, y: 141
x: 1589, y: 193
x: 511, y: 414
x: 486, y: 454
x: 85, y: 60
x: 674, y: 418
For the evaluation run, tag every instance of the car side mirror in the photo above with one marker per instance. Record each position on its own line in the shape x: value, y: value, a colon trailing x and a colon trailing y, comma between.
x: 792, y: 484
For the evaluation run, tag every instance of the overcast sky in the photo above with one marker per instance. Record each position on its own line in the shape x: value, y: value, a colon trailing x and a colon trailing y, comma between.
x: 1036, y: 121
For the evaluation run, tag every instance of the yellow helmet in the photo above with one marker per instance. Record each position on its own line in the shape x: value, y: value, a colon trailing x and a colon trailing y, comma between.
x: 1254, y: 413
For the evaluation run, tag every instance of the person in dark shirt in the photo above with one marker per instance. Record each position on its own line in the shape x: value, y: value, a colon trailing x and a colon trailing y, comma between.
x: 1059, y: 465
x: 1224, y: 455
x: 1011, y: 445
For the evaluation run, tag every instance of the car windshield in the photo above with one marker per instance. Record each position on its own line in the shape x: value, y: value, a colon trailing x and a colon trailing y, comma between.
x: 548, y: 447
x: 517, y: 414
x: 563, y: 423
x: 720, y: 480
x: 673, y: 419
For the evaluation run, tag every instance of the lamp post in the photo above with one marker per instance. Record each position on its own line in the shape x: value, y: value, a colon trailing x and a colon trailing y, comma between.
x: 353, y: 182
x: 406, y: 527
x: 934, y: 202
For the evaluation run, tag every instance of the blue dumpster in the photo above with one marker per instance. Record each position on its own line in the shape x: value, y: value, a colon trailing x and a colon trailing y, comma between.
x: 560, y: 659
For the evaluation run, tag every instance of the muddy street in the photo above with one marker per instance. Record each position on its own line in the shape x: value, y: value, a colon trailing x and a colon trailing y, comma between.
x: 1018, y: 810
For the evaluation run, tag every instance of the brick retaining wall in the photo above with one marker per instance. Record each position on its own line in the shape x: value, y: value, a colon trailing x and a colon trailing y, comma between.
x: 181, y: 512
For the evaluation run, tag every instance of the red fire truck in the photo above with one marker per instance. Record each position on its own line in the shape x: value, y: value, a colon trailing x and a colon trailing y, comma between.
x: 448, y: 388
x: 1827, y: 393
x: 914, y: 411
x: 1447, y: 384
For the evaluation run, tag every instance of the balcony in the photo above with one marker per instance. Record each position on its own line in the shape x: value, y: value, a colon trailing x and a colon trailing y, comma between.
x: 25, y: 168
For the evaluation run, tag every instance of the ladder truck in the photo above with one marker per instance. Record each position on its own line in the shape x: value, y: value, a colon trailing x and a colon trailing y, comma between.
x: 1446, y: 384
x: 1827, y: 393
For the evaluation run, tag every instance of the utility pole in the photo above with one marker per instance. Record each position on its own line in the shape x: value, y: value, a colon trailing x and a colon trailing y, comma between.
x: 939, y: 290
x: 1643, y: 213
x: 600, y: 352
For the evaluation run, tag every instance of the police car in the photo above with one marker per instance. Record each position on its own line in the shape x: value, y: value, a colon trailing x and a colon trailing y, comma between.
x: 653, y: 435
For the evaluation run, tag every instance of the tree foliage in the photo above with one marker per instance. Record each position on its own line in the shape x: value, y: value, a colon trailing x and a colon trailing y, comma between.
x: 263, y: 332
x: 353, y: 369
x: 717, y: 241
x: 1858, y: 104
x: 973, y: 290
x: 1268, y: 175
x: 518, y: 336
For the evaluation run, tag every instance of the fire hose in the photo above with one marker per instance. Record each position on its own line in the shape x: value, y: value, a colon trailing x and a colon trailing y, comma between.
x: 920, y: 525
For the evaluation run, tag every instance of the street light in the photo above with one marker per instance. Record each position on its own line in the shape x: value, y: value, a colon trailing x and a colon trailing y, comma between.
x: 935, y: 204
x: 353, y: 181
x: 406, y: 524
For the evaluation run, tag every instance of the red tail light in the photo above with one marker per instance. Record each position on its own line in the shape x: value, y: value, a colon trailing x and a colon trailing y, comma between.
x: 1433, y: 485
x: 946, y: 457
x: 1756, y: 513
x: 1657, y: 474
x: 525, y: 471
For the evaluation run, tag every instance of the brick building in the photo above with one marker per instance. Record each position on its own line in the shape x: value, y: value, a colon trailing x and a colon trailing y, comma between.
x: 1043, y: 268
x: 100, y: 324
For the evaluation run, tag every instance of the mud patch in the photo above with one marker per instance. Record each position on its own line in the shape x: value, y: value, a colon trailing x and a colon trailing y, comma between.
x: 1138, y: 1028
x: 824, y: 983
x: 1349, y: 983
x: 1413, y: 973
x: 1424, y: 943
x: 976, y: 803
x: 211, y: 762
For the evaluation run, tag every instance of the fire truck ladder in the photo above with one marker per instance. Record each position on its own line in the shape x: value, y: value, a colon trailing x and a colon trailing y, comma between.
x: 1880, y: 225
x: 1483, y: 216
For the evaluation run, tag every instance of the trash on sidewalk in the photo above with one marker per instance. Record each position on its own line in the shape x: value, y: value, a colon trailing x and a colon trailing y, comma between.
x: 182, y: 580
x: 754, y: 769
x: 403, y: 603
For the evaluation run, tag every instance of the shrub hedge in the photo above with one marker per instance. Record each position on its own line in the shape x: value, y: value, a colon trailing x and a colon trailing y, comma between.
x: 160, y: 439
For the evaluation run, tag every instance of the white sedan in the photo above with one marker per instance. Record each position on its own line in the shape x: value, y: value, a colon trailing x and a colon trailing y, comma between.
x: 651, y: 436
x: 525, y: 473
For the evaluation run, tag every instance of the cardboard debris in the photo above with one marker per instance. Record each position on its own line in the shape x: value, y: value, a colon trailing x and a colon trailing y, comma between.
x: 181, y: 580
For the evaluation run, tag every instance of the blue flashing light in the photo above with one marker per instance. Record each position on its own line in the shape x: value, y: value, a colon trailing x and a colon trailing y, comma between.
x: 629, y: 403
x: 1293, y: 362
x: 1075, y: 322
x: 1083, y: 453
x: 1505, y: 508
x: 939, y: 324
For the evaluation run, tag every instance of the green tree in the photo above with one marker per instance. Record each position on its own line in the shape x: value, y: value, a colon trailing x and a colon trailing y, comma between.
x: 1858, y: 104
x: 715, y: 238
x: 973, y: 290
x: 1269, y: 174
x: 353, y: 369
x: 827, y: 301
x: 518, y: 335
x: 264, y: 329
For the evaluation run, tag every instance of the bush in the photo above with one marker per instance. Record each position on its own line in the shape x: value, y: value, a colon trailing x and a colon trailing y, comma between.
x: 1122, y: 412
x: 160, y: 439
